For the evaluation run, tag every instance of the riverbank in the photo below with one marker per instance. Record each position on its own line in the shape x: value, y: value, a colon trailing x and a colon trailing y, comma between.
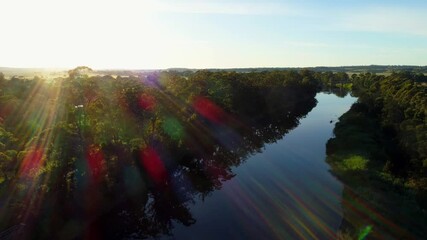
x: 361, y: 156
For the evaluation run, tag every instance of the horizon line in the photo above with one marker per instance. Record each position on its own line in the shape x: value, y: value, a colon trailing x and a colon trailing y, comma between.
x: 214, y: 68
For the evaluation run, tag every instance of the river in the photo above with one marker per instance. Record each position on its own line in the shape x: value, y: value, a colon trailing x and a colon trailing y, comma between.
x: 284, y: 192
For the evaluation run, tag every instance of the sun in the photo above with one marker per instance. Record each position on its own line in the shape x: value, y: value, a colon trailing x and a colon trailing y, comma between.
x: 65, y: 34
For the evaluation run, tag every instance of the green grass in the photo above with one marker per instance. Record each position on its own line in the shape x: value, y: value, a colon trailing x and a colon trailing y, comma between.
x: 355, y: 162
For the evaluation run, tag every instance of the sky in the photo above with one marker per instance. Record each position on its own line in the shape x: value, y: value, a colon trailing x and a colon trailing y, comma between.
x: 148, y: 34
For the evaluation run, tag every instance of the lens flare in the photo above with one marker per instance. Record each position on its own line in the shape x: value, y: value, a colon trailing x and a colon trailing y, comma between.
x: 154, y: 166
x: 95, y: 161
x: 32, y: 162
x: 364, y: 232
x: 173, y: 128
x: 208, y: 109
x: 147, y: 102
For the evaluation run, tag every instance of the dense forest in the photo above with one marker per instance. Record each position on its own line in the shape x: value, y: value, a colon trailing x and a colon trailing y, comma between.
x: 380, y: 152
x: 86, y: 152
x: 399, y: 101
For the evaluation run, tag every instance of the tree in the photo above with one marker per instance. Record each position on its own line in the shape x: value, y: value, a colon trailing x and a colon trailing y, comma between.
x: 79, y: 72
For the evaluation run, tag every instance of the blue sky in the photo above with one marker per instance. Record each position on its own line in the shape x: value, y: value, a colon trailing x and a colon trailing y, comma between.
x: 205, y: 34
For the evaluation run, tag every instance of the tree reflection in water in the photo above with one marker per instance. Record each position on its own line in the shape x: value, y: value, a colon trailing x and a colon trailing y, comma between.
x: 130, y: 165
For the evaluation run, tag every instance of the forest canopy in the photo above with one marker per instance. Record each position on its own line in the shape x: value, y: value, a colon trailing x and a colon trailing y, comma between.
x: 89, y: 136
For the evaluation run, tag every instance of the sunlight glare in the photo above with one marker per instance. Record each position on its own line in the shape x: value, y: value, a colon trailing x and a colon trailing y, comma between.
x: 71, y: 33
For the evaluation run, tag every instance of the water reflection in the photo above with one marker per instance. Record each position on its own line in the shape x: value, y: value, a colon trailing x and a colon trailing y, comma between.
x: 284, y: 192
x: 145, y: 192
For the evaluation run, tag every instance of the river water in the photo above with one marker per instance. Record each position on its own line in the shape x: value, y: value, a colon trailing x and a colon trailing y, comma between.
x: 284, y: 192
